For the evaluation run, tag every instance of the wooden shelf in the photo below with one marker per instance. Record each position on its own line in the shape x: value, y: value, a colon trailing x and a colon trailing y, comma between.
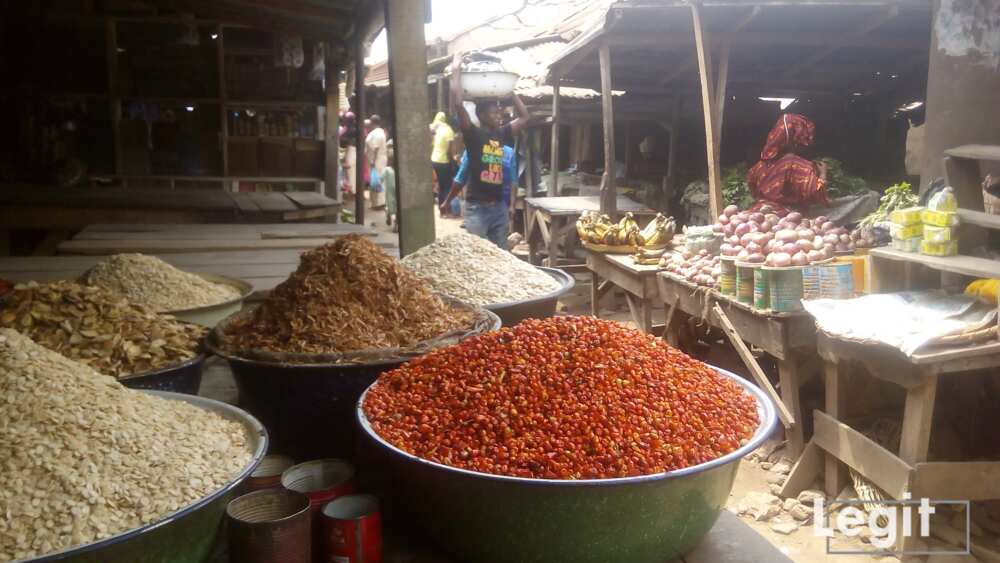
x: 976, y: 152
x: 965, y: 265
x: 980, y: 219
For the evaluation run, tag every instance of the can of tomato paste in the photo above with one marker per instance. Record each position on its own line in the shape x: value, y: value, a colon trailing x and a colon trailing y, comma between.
x: 352, y: 530
x: 322, y: 480
x: 268, y: 473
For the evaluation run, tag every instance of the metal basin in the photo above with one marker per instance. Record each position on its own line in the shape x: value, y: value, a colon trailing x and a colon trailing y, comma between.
x: 210, y: 315
x: 184, y: 377
x: 498, y: 519
x: 540, y: 307
x: 188, y: 535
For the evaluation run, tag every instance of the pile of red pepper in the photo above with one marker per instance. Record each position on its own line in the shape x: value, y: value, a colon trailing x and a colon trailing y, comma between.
x: 562, y: 398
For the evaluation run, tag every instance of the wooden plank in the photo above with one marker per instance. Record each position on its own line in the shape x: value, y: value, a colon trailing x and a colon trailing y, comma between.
x: 966, y: 480
x: 625, y: 280
x: 245, y: 204
x: 878, y: 464
x: 804, y: 472
x: 758, y: 374
x: 309, y: 200
x: 271, y: 202
x: 171, y: 246
x: 554, y: 156
x: 708, y: 109
x: 918, y: 414
x: 979, y: 218
x: 965, y: 265
x: 835, y: 474
x: 608, y: 183
x: 788, y: 376
x: 314, y: 213
x: 976, y: 152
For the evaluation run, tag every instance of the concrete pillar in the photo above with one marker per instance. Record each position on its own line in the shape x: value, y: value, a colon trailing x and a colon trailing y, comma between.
x: 408, y: 76
x: 963, y: 83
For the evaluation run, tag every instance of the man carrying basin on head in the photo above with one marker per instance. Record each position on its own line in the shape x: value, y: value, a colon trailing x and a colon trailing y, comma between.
x: 486, y: 210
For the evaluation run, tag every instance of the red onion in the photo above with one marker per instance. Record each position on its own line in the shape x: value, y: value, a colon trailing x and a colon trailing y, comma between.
x: 757, y: 217
x: 754, y: 226
x: 821, y: 220
x: 789, y: 248
x: 781, y: 259
x: 729, y: 230
x: 815, y: 256
x: 842, y: 247
x: 786, y: 235
x: 742, y: 256
x: 844, y: 239
x: 817, y: 242
x: 755, y: 258
x: 804, y: 245
x: 731, y: 210
x: 733, y: 240
x: 794, y: 217
x: 775, y: 228
x: 717, y: 228
x: 766, y: 209
x: 754, y: 248
x: 807, y: 234
x: 800, y: 259
x: 831, y: 238
x: 772, y: 218
x: 745, y: 239
x: 742, y: 229
x: 827, y: 226
x: 726, y: 248
x: 724, y: 219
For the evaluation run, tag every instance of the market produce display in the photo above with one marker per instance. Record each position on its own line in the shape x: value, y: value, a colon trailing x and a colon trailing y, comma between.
x: 85, y: 458
x: 99, y: 328
x: 701, y: 268
x: 346, y: 296
x: 561, y: 398
x: 771, y: 238
x: 156, y: 284
x: 474, y: 270
x: 595, y: 228
x: 896, y: 196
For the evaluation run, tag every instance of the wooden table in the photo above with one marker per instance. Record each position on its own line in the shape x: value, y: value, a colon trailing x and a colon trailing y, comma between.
x: 41, y: 207
x: 106, y: 239
x: 549, y: 221
x: 789, y: 337
x: 638, y: 282
x: 838, y: 446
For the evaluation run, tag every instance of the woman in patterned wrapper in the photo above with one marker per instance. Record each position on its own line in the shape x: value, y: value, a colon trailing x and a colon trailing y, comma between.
x: 782, y: 179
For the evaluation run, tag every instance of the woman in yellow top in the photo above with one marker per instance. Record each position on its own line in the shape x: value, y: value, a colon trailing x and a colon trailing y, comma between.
x: 441, y: 155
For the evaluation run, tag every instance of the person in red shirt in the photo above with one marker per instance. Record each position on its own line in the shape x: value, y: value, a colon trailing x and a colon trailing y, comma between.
x: 782, y: 178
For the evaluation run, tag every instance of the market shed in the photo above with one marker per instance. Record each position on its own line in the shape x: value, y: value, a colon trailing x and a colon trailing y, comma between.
x: 183, y: 111
x: 827, y: 56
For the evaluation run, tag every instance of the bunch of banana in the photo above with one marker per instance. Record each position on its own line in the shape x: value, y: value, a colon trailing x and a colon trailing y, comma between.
x: 658, y: 232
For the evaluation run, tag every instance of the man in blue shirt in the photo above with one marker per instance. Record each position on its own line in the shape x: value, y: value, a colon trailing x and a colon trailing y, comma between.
x: 510, y: 179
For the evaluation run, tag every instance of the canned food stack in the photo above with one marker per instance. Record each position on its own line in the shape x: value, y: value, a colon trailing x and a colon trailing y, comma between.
x: 940, y: 225
x: 810, y: 282
x: 906, y: 229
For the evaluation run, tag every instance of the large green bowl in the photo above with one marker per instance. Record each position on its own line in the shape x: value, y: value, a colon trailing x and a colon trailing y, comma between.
x: 486, y: 518
x: 188, y: 535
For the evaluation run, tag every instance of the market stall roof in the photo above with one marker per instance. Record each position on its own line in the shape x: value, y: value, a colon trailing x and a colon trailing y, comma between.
x: 857, y: 47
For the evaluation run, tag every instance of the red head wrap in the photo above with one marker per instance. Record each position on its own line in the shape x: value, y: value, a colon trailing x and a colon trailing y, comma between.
x: 790, y: 132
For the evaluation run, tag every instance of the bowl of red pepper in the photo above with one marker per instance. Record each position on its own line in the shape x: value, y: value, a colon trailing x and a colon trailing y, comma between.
x: 564, y: 439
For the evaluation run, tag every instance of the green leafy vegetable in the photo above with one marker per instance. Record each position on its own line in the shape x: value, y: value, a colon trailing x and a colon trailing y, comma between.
x: 896, y: 196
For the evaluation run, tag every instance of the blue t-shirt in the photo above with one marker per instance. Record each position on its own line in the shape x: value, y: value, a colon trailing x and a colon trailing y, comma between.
x: 509, y: 170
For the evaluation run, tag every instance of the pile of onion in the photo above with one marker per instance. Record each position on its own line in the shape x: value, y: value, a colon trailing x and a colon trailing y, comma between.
x: 767, y: 237
x: 701, y: 268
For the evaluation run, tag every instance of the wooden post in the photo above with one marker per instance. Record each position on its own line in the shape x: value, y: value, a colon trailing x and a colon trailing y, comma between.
x: 408, y: 76
x: 554, y: 158
x: 708, y: 108
x: 359, y: 140
x: 223, y: 109
x: 609, y: 189
x: 111, y: 53
x: 835, y: 473
x: 331, y: 142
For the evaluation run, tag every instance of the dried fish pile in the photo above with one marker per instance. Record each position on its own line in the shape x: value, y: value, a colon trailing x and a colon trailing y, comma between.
x: 476, y: 271
x: 85, y: 458
x: 346, y: 296
x: 151, y: 282
x: 99, y: 328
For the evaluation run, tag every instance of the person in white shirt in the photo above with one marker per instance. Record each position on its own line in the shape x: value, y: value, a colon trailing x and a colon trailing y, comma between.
x: 376, y: 149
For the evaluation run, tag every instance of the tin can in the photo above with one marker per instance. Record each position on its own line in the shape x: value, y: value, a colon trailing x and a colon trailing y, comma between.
x: 268, y: 473
x: 322, y: 481
x: 744, y: 284
x: 352, y: 530
x: 270, y: 526
x: 727, y: 279
x: 761, y: 289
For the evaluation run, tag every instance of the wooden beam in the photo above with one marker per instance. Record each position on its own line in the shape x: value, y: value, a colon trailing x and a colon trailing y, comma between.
x: 708, y: 109
x: 566, y: 65
x: 966, y: 480
x: 296, y: 11
x: 359, y: 139
x: 847, y: 39
x: 758, y: 374
x: 658, y: 40
x: 804, y: 472
x: 408, y: 74
x: 917, y: 417
x: 609, y: 189
x: 554, y: 155
x: 862, y: 454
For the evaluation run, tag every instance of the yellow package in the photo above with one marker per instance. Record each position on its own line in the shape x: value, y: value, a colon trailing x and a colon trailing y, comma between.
x: 939, y: 234
x: 902, y: 231
x: 949, y: 248
x: 944, y: 200
x: 939, y: 218
x: 906, y: 217
x: 907, y: 244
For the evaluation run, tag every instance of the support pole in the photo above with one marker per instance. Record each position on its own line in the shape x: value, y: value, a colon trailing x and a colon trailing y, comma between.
x: 609, y: 191
x: 554, y: 158
x: 331, y: 141
x: 359, y: 140
x: 408, y: 76
x: 708, y: 109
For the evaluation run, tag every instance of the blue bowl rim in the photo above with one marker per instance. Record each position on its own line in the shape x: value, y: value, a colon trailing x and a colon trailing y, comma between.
x: 223, y: 409
x: 566, y: 283
x: 765, y: 411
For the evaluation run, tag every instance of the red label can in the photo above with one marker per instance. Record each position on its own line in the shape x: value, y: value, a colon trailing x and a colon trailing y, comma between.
x: 322, y: 480
x: 352, y: 530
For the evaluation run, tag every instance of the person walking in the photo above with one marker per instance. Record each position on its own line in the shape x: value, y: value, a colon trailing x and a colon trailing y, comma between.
x: 487, y: 214
x: 441, y: 157
x: 377, y: 152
